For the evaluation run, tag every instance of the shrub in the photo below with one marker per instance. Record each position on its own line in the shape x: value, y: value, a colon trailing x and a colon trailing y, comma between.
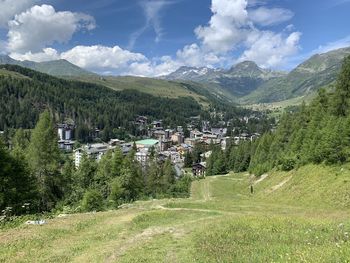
x: 92, y: 201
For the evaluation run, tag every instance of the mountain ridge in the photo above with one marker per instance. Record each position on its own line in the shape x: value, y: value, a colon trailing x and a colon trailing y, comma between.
x: 59, y: 67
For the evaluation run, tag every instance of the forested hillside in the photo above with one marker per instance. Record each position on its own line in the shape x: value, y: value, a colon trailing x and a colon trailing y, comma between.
x: 318, y: 133
x: 25, y: 93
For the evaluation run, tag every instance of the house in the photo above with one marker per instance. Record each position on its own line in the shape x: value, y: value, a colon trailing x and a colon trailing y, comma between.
x: 142, y: 156
x: 168, y: 133
x: 115, y: 142
x: 159, y: 134
x: 195, y: 134
x: 174, y: 156
x: 141, y: 120
x: 198, y: 169
x: 165, y: 145
x: 93, y: 151
x: 191, y: 142
x: 178, y: 138
x: 157, y: 124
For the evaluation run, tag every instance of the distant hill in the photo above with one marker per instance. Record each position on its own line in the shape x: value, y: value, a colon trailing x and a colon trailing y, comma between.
x: 244, y: 83
x: 56, y: 67
x: 319, y: 71
x: 160, y: 87
x: 157, y: 87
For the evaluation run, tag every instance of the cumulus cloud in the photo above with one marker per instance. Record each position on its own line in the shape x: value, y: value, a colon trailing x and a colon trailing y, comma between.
x: 226, y: 27
x: 46, y: 54
x: 269, y: 49
x: 270, y: 16
x: 97, y: 58
x: 40, y: 26
x: 101, y: 57
x: 10, y: 8
x: 233, y: 26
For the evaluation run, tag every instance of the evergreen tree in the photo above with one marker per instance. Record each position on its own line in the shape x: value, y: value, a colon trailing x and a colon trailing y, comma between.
x: 17, y: 185
x: 43, y: 158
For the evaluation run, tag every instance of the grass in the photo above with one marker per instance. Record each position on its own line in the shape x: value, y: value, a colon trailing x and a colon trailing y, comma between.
x: 156, y: 87
x: 297, y: 216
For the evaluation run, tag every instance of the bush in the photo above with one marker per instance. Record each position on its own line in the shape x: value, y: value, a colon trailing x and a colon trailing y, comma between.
x: 287, y: 163
x: 92, y: 201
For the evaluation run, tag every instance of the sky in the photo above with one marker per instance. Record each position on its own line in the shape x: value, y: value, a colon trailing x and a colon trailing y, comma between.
x: 156, y: 37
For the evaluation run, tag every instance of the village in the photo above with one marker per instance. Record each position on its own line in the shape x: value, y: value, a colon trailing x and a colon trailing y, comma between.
x: 160, y: 143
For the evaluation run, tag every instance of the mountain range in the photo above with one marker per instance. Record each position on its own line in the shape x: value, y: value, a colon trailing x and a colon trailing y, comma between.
x: 243, y: 83
x: 56, y: 67
x: 249, y: 83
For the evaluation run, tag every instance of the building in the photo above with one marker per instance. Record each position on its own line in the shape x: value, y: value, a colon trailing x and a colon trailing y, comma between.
x: 65, y: 131
x: 173, y: 156
x: 66, y: 145
x: 168, y: 133
x: 191, y: 142
x: 195, y: 134
x: 157, y: 124
x: 147, y: 144
x: 65, y: 136
x: 178, y: 138
x: 198, y: 169
x: 165, y: 145
x: 142, y: 156
x: 93, y: 151
x: 141, y: 120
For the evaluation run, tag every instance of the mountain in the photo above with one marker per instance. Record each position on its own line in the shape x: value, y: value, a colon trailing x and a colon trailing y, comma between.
x: 247, y: 83
x: 319, y: 71
x: 56, y: 67
x: 157, y: 87
x: 240, y: 80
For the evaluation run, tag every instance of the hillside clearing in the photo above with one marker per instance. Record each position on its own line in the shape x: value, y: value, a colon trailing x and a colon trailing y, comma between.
x: 305, y: 219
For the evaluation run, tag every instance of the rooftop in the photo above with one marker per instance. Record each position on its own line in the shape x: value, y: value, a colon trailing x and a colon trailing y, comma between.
x: 147, y: 142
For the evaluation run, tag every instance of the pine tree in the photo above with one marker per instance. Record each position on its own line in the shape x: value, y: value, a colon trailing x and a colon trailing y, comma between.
x: 117, y: 162
x: 169, y: 175
x: 17, y: 185
x: 43, y: 158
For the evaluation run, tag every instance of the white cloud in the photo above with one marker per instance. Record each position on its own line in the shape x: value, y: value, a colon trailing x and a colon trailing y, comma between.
x: 46, y: 54
x: 101, y: 57
x: 341, y: 43
x: 232, y: 27
x: 227, y: 26
x: 269, y: 49
x: 40, y: 26
x: 151, y: 9
x: 195, y: 56
x: 10, y: 8
x: 270, y: 16
x: 95, y: 58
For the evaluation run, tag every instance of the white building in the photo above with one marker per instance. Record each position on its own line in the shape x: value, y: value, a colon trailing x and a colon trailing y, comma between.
x: 142, y: 156
x: 93, y: 151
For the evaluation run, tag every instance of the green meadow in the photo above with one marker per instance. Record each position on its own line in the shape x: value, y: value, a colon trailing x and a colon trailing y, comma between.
x: 297, y: 216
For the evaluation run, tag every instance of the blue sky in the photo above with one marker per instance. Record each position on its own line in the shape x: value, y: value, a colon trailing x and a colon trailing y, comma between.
x: 155, y: 37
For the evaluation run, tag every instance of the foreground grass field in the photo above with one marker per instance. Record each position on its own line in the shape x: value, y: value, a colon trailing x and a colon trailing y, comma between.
x: 299, y: 216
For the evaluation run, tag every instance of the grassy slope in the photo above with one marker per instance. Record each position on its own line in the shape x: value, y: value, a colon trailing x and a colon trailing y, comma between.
x: 155, y: 87
x: 299, y: 216
x: 7, y: 73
